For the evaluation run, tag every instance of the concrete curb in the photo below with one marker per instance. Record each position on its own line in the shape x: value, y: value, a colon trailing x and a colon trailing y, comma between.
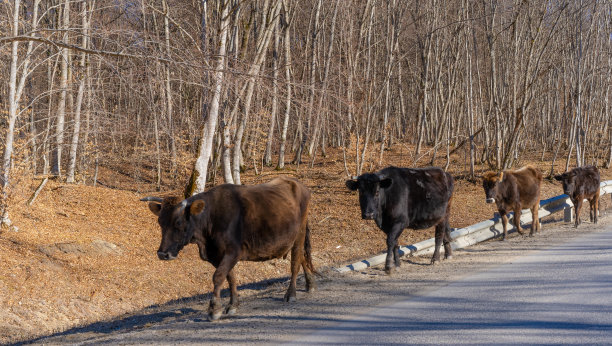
x: 484, y: 230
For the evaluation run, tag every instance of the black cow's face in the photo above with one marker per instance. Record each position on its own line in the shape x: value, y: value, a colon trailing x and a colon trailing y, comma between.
x: 370, y: 187
x: 568, y: 179
x: 490, y: 183
x: 174, y: 219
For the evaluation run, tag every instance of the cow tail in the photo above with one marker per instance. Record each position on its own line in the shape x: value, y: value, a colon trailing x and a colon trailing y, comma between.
x: 308, y: 251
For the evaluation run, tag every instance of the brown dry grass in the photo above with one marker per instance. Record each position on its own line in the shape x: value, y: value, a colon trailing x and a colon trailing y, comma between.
x: 83, y: 254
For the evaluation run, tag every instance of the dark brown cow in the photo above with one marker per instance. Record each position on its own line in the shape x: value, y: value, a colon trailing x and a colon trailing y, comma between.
x: 579, y: 184
x: 400, y: 198
x: 232, y: 223
x: 513, y: 191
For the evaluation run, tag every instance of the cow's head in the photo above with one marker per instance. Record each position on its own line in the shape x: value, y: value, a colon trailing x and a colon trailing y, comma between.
x: 568, y: 179
x: 370, y: 187
x: 175, y: 219
x: 490, y: 182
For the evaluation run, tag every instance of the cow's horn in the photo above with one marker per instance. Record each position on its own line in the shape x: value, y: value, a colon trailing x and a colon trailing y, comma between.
x: 152, y: 199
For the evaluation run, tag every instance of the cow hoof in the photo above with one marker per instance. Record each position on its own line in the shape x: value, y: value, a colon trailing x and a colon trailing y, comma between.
x: 290, y: 299
x: 434, y: 261
x: 389, y: 270
x: 449, y: 257
x: 214, y: 316
x: 230, y: 310
x: 311, y: 285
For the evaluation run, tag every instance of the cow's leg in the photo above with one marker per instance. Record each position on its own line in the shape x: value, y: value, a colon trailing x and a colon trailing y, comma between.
x: 297, y: 257
x: 578, y: 206
x: 233, y: 305
x: 392, y: 236
x: 594, y: 202
x: 440, y: 237
x: 517, y: 220
x: 504, y: 218
x: 596, y: 207
x: 307, y: 266
x: 396, y: 255
x: 448, y: 250
x: 535, y: 219
x: 215, y: 308
x: 311, y: 284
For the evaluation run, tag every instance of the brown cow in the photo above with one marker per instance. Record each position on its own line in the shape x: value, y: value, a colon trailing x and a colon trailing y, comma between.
x: 579, y: 184
x: 513, y: 191
x: 232, y: 223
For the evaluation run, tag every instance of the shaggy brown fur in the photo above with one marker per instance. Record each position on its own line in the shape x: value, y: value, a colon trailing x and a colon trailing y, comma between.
x: 579, y: 184
x: 232, y: 223
x: 513, y: 190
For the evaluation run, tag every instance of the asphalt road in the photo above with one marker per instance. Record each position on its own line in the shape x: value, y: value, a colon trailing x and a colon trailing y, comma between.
x: 558, y: 295
x: 554, y: 288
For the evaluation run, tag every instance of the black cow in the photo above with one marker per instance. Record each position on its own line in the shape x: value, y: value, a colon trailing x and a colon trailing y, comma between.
x: 579, y: 184
x: 399, y: 198
x: 232, y: 223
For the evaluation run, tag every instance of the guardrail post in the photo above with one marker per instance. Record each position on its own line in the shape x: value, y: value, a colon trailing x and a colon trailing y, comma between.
x: 568, y: 214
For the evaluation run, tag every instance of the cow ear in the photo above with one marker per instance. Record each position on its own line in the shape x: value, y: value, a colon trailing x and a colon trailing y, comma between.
x: 385, y: 183
x: 501, y: 176
x: 196, y: 207
x: 352, y: 185
x: 558, y: 177
x: 155, y: 208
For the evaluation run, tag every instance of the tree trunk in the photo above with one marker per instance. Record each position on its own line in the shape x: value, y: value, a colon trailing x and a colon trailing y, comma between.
x: 272, y: 123
x: 306, y: 132
x: 200, y: 170
x: 56, y: 160
x: 168, y: 92
x: 263, y: 41
x: 77, y: 112
x: 287, y: 43
x: 317, y: 125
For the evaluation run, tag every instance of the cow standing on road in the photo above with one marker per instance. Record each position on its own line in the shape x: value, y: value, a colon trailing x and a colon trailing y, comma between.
x: 579, y: 184
x: 399, y: 198
x: 232, y: 223
x: 513, y: 191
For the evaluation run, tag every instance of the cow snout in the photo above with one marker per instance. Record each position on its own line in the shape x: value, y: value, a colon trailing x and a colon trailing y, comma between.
x: 165, y: 256
x: 367, y: 215
x: 490, y: 200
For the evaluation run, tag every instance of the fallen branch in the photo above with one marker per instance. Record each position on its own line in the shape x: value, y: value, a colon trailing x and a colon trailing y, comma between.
x: 38, y: 189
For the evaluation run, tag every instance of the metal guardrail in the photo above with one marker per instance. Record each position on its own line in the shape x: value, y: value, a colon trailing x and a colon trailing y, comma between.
x: 481, y: 231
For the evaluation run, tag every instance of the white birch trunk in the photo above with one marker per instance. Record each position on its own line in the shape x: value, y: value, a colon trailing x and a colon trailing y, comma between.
x: 208, y: 132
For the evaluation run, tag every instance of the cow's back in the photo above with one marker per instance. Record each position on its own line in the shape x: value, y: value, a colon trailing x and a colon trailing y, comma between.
x: 268, y: 217
x: 420, y: 196
x: 528, y: 181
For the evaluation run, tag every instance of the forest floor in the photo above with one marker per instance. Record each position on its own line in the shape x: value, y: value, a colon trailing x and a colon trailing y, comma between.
x: 81, y: 254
